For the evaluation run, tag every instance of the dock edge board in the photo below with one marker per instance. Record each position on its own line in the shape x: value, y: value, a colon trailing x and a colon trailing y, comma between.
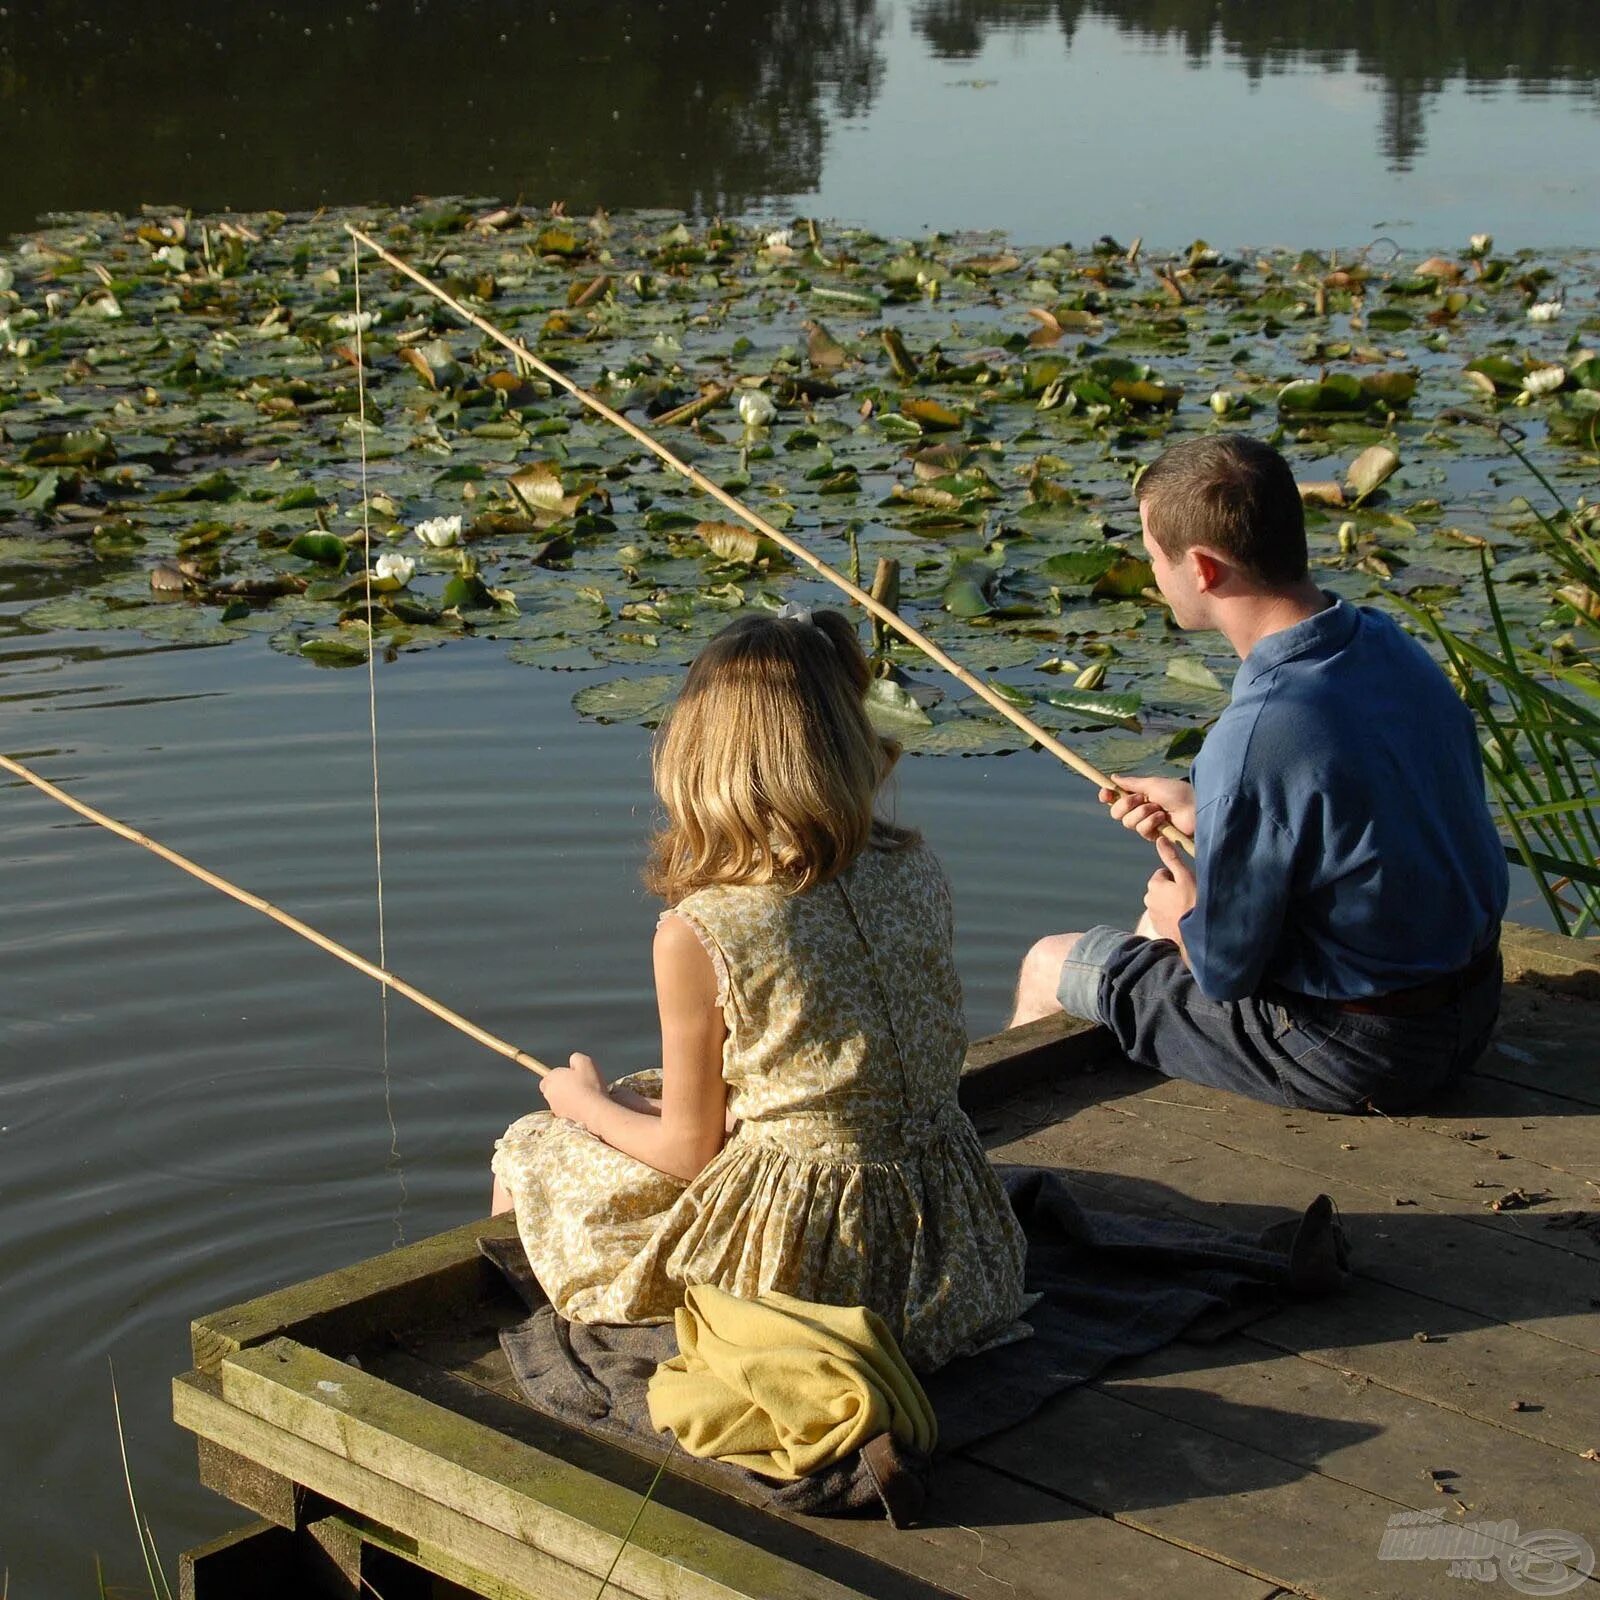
x: 516, y: 1514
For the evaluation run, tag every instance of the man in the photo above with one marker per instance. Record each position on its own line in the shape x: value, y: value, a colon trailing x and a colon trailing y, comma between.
x: 1335, y: 942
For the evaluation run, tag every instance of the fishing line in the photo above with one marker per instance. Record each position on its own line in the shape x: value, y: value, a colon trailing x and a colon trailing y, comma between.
x: 396, y: 1164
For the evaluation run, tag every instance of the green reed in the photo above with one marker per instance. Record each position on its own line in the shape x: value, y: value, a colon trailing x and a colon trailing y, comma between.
x: 1540, y: 716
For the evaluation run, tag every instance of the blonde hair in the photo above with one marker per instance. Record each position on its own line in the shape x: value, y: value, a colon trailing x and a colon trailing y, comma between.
x: 767, y: 765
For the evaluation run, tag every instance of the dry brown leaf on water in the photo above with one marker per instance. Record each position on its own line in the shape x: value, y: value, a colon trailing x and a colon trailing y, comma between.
x: 991, y: 266
x: 1371, y: 470
x: 1323, y: 492
x: 540, y: 489
x: 940, y: 460
x: 733, y: 542
x: 1049, y: 330
x: 823, y: 351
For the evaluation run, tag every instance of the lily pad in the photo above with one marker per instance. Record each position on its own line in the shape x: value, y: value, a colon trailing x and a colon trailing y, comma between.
x: 962, y: 736
x: 642, y: 700
x: 1194, y: 672
x: 1098, y: 706
x: 893, y: 708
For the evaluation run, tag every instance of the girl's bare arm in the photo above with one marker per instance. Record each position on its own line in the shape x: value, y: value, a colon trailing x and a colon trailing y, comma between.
x: 681, y: 1133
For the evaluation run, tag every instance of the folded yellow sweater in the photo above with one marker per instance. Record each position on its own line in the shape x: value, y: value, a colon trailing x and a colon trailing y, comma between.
x: 784, y: 1387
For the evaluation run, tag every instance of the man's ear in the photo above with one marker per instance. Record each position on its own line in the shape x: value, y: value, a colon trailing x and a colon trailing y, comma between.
x: 1206, y: 569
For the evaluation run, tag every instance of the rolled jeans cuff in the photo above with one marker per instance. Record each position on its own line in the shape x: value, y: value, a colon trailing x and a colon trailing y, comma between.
x: 1078, y: 988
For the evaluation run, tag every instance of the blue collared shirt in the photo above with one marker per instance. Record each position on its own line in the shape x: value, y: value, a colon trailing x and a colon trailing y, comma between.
x: 1344, y: 846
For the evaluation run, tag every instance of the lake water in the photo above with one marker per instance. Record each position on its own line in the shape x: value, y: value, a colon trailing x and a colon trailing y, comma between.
x: 194, y: 1106
x: 1054, y: 119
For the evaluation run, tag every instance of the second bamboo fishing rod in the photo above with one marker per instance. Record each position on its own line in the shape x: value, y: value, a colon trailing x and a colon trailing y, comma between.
x: 874, y: 607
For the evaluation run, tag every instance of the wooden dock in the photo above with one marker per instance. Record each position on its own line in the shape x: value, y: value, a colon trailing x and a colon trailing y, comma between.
x: 370, y: 1419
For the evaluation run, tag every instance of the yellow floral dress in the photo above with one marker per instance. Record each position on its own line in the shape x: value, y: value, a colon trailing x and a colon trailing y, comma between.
x: 852, y: 1178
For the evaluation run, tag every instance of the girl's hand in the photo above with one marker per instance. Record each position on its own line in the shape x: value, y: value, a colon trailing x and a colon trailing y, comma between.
x: 573, y: 1091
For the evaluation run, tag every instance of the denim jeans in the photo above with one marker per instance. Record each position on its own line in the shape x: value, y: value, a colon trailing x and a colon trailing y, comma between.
x: 1288, y: 1050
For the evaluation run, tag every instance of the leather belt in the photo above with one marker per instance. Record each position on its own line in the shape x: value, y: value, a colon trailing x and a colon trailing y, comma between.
x: 1424, y: 997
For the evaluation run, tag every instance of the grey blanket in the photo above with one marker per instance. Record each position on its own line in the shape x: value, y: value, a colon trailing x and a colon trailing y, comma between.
x: 1111, y: 1283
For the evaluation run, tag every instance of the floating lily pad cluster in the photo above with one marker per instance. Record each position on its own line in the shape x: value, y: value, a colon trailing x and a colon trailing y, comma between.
x: 186, y: 452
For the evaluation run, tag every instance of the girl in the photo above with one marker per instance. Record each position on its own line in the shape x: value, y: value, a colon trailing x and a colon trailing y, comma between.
x: 802, y: 1134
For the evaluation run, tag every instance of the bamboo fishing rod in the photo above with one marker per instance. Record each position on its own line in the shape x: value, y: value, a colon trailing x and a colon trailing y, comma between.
x: 874, y: 607
x: 283, y: 918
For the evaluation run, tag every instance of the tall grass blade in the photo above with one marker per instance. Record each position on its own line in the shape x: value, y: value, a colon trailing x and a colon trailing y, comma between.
x: 627, y: 1538
x: 159, y: 1587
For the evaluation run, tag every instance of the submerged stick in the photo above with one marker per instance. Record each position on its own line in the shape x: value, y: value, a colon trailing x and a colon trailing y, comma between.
x: 871, y: 606
x: 293, y: 924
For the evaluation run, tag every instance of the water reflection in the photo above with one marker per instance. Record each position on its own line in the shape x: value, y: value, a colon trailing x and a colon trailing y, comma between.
x: 698, y: 104
x: 1413, y: 51
x: 707, y: 106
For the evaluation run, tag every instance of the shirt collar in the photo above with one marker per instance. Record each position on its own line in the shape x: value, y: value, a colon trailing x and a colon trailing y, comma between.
x: 1328, y: 630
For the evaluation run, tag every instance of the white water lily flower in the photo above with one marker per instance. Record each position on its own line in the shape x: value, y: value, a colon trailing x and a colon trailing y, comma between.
x: 756, y: 409
x: 1480, y: 244
x: 1544, y: 311
x: 390, y: 565
x: 172, y: 255
x: 1544, y: 380
x: 439, y: 533
x: 778, y: 239
x: 351, y: 321
x: 1221, y: 402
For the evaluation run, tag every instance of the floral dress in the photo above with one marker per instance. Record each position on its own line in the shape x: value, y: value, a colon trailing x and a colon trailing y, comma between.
x: 852, y: 1177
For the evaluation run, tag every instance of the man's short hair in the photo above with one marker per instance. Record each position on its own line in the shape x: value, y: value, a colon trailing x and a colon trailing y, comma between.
x: 1233, y: 494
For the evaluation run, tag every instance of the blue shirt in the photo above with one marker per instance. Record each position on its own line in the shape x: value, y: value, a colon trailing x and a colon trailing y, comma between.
x: 1344, y: 846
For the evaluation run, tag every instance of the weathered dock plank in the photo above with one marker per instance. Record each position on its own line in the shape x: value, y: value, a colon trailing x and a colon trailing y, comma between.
x: 523, y: 1569
x: 1416, y: 1454
x: 1307, y: 1531
x: 983, y: 1536
x: 514, y: 1515
x: 431, y: 1278
x: 1460, y: 1164
x: 535, y: 1498
x: 1540, y: 960
x: 1484, y: 1274
x: 1474, y: 1358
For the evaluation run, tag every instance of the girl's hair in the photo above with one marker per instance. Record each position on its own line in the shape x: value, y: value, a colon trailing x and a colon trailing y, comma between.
x: 767, y: 765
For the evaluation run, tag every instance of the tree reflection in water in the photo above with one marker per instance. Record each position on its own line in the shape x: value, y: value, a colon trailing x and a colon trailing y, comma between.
x: 1413, y: 50
x: 701, y: 105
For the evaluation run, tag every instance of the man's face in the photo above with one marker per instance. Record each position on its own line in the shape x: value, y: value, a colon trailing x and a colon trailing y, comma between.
x: 1175, y: 579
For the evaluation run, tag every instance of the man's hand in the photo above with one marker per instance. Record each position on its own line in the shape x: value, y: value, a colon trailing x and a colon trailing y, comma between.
x: 1150, y: 803
x: 1170, y: 893
x: 574, y: 1090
